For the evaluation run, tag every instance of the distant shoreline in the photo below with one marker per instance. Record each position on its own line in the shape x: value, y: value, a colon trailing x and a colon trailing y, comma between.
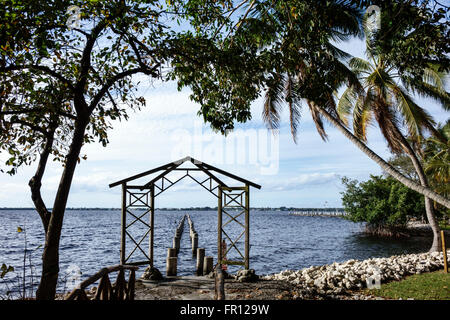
x: 192, y: 209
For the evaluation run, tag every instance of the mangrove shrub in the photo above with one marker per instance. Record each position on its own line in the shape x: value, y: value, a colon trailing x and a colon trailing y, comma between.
x: 383, y: 203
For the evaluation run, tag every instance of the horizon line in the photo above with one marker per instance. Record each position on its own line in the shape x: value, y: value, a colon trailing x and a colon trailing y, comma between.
x: 174, y: 208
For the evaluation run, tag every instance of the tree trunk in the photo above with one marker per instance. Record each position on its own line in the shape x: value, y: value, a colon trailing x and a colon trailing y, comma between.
x: 50, y: 257
x: 431, y: 217
x: 36, y: 181
x: 427, y: 192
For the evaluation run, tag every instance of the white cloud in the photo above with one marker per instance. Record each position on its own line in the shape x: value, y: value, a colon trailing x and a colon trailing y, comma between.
x: 12, y: 188
x: 301, y: 181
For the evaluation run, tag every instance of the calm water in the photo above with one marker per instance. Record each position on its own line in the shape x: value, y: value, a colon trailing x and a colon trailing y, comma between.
x: 91, y: 240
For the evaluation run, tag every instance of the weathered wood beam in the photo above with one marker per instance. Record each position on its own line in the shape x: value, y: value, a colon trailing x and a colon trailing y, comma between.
x: 217, y: 180
x: 230, y: 175
x: 83, y: 285
x: 140, y: 175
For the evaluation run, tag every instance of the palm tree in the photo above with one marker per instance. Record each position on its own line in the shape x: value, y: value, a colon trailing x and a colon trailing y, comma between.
x: 290, y: 85
x: 386, y: 101
x: 426, y: 191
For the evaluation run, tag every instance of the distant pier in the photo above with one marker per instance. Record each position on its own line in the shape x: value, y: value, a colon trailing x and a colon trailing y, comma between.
x: 319, y: 213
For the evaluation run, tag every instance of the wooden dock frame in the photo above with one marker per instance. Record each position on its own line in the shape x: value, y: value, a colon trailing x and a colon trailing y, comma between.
x: 236, y: 198
x: 142, y: 197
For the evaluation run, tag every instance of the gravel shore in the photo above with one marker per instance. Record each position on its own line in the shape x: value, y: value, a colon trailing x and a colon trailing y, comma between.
x: 341, y: 279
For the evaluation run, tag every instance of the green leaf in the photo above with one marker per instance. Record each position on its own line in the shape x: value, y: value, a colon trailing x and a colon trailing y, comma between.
x: 5, y: 269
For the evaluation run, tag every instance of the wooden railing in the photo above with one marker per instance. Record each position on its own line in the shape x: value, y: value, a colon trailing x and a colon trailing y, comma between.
x: 120, y: 290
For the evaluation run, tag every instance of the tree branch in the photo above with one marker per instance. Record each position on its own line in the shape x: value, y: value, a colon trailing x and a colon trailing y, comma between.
x: 85, y: 65
x: 28, y: 111
x: 32, y: 126
x: 110, y: 82
x: 44, y: 69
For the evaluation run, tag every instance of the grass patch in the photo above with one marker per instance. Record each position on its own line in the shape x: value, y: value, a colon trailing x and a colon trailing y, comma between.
x: 425, y: 286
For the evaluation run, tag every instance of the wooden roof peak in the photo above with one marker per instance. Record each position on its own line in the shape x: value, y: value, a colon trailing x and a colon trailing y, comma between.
x: 203, y: 166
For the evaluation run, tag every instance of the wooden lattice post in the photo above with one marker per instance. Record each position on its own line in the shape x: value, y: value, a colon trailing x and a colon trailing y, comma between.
x: 152, y: 222
x: 247, y: 227
x: 124, y: 221
x: 219, y: 278
x: 219, y: 227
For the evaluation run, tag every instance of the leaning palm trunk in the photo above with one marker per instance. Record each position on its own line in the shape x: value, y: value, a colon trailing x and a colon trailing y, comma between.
x: 426, y: 191
x: 431, y: 217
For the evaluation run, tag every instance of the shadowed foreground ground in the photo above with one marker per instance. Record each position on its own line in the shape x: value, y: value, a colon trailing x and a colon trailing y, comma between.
x: 202, y: 288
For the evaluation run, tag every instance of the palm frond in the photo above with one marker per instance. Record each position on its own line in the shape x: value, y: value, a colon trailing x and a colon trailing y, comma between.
x: 359, y: 65
x: 273, y: 101
x: 345, y: 76
x: 416, y: 118
x: 389, y: 124
x: 347, y: 20
x: 427, y: 90
x: 330, y: 104
x: 337, y: 53
x: 434, y: 78
x: 345, y: 105
x: 439, y: 169
x: 317, y: 120
x: 362, y: 114
x: 295, y: 106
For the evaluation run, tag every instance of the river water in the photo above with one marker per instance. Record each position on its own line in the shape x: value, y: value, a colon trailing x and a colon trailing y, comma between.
x: 91, y: 240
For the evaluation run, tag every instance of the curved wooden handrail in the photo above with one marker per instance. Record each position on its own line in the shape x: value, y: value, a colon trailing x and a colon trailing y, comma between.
x: 121, y: 291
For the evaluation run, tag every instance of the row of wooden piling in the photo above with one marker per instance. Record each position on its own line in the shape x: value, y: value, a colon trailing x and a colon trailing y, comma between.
x: 178, y: 233
x: 193, y: 236
x: 316, y: 213
x: 204, y: 264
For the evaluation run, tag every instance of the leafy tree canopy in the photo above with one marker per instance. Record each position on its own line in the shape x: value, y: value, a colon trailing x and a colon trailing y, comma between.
x: 61, y: 64
x: 414, y: 35
x: 381, y: 202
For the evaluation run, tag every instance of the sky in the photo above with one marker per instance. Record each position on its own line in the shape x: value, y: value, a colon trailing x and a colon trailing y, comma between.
x: 306, y: 174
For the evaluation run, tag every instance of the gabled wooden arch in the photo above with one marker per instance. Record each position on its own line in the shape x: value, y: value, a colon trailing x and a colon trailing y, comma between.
x: 143, y: 197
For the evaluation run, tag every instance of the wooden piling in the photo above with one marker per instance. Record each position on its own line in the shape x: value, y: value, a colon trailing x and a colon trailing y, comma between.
x: 200, y: 257
x: 193, y: 235
x: 207, y: 265
x: 176, y: 243
x: 171, y: 268
x: 219, y: 284
x: 194, y: 243
x: 171, y: 252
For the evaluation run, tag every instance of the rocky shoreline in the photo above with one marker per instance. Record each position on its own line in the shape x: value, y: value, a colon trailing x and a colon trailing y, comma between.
x: 337, y: 279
